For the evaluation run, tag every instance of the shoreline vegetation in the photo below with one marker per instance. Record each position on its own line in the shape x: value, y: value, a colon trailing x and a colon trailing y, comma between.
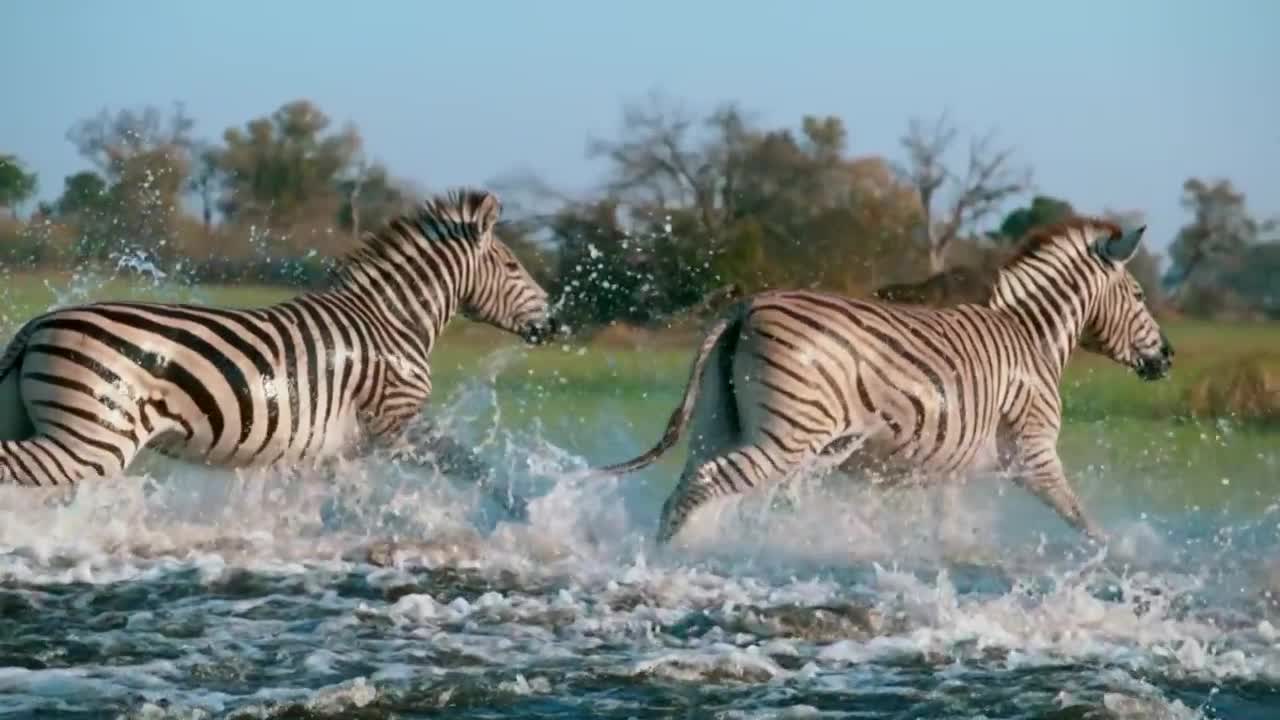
x: 1224, y: 369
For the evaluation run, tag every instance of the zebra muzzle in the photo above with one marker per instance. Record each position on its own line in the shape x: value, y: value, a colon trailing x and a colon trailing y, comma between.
x: 543, y: 332
x: 1155, y: 367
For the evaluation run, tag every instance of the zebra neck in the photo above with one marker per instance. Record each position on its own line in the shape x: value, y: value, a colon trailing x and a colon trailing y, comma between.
x: 398, y: 315
x: 1050, y: 310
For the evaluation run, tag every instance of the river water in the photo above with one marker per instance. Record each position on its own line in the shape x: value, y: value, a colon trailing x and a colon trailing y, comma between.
x: 384, y: 591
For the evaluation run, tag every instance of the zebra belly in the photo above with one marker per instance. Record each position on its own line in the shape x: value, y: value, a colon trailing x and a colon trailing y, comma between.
x: 306, y: 442
x: 812, y: 368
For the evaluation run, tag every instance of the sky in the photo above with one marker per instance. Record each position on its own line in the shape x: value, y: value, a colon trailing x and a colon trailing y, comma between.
x: 1113, y: 103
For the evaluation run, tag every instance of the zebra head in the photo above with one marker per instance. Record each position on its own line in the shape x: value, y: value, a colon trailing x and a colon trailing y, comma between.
x: 502, y: 293
x: 1120, y: 326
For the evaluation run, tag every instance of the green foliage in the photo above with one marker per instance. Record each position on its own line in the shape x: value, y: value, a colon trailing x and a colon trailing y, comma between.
x: 143, y: 157
x: 719, y: 202
x: 600, y: 273
x: 1043, y: 210
x: 1220, y: 262
x: 281, y: 173
x: 1219, y: 231
x: 369, y: 199
x: 86, y: 205
x: 16, y: 184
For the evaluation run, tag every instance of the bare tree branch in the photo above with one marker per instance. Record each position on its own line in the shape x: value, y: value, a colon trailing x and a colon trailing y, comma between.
x: 666, y: 159
x: 989, y: 180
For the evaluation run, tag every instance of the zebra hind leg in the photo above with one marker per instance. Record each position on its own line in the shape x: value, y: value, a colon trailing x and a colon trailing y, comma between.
x: 740, y: 470
x: 45, y: 461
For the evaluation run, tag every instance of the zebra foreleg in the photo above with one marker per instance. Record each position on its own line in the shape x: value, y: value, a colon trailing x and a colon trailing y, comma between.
x: 1045, y: 479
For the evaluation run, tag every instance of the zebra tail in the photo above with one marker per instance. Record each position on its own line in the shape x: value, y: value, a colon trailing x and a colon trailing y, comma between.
x: 12, y: 358
x: 680, y: 416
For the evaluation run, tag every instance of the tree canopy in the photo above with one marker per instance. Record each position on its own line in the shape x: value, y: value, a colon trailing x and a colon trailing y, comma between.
x: 693, y: 207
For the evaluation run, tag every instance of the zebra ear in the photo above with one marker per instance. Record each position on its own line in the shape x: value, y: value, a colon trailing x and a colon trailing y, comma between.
x: 1121, y: 247
x: 486, y: 209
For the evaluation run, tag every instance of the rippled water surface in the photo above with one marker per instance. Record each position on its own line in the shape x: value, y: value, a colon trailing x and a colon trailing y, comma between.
x: 387, y: 591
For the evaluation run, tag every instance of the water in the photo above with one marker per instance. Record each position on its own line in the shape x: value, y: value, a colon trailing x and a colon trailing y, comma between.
x: 391, y: 591
x: 380, y: 590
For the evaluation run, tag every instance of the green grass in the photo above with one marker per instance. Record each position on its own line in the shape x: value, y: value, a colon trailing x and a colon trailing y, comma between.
x: 24, y: 295
x: 1122, y: 438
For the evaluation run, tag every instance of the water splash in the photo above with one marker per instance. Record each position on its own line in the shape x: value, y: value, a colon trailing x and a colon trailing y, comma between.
x: 385, y: 588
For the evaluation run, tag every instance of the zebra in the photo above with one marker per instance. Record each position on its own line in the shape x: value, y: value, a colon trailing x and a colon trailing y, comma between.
x: 788, y: 377
x: 329, y: 373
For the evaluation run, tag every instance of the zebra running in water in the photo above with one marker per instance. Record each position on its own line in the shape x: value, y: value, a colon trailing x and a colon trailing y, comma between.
x: 790, y: 377
x: 337, y: 372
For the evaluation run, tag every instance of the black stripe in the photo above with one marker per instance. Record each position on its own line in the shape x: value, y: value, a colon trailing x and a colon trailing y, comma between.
x: 126, y: 433
x: 325, y: 349
x: 291, y: 373
x: 263, y: 366
x: 74, y: 385
x: 230, y: 371
x: 86, y: 440
x: 309, y: 354
x: 156, y: 366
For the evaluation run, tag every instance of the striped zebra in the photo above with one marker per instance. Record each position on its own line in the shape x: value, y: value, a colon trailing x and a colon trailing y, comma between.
x: 337, y: 372
x: 791, y: 377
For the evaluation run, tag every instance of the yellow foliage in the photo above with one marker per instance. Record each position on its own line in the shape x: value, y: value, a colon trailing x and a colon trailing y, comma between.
x: 1245, y: 388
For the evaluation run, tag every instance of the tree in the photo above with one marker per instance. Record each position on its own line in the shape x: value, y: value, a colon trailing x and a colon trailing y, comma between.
x: 717, y: 202
x: 1217, y: 235
x: 369, y: 198
x: 1043, y: 210
x: 16, y: 184
x: 84, y: 191
x: 600, y: 274
x: 988, y: 181
x: 282, y: 173
x: 144, y: 157
x: 205, y: 178
x: 86, y: 205
x: 661, y: 163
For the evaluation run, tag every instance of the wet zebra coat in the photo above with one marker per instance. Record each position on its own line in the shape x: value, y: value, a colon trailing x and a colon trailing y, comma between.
x: 789, y: 377
x: 83, y: 389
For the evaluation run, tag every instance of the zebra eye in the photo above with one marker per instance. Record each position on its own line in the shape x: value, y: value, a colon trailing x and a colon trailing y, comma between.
x: 513, y: 266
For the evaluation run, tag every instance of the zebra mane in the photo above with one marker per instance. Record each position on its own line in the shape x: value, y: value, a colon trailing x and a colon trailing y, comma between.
x: 456, y: 214
x: 1053, y: 234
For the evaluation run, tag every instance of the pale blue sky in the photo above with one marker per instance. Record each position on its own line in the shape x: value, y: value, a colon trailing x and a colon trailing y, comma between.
x: 1113, y: 103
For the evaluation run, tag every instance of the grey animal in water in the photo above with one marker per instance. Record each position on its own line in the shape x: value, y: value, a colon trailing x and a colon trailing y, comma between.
x: 337, y: 372
x: 789, y: 377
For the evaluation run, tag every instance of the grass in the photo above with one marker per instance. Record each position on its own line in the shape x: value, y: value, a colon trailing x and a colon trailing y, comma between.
x: 24, y: 295
x: 608, y: 401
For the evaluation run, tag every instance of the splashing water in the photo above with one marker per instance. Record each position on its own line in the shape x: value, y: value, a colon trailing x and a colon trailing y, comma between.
x: 379, y: 589
x: 259, y: 595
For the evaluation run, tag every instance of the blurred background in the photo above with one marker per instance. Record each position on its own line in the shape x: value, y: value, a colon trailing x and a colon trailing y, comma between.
x: 655, y: 161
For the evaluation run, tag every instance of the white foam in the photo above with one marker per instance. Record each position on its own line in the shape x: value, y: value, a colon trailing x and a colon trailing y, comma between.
x: 580, y: 583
